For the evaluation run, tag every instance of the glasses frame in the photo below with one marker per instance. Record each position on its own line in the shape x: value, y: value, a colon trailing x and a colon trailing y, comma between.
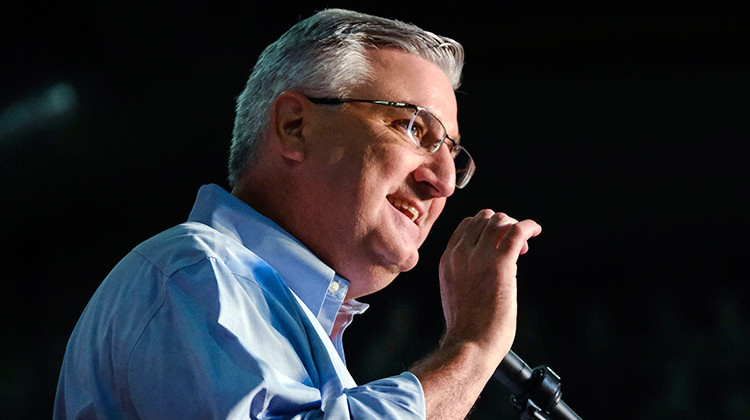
x: 455, y: 148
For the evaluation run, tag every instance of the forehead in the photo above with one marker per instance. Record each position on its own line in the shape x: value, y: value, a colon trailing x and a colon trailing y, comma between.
x: 405, y: 77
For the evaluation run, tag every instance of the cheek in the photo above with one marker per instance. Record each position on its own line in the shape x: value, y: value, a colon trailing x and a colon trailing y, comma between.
x: 436, y: 208
x: 393, y: 159
x: 379, y: 167
x: 438, y: 204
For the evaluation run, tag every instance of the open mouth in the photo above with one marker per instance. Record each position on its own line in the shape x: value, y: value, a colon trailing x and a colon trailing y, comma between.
x: 405, y: 207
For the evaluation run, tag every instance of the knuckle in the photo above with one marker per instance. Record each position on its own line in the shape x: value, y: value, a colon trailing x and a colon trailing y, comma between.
x: 485, y: 213
x: 504, y: 219
x: 516, y: 231
x: 524, y: 229
x: 500, y: 215
x: 497, y: 226
x: 500, y: 221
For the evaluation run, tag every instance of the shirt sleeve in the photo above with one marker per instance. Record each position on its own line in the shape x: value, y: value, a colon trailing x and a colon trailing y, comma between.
x: 219, y: 348
x: 391, y: 398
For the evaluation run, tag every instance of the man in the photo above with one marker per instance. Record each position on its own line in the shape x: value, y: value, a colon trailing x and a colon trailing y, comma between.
x: 337, y: 179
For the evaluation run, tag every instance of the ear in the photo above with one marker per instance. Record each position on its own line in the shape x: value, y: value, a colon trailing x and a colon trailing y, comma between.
x: 288, y: 117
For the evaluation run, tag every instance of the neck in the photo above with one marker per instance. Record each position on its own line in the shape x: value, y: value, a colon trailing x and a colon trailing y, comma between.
x: 273, y: 194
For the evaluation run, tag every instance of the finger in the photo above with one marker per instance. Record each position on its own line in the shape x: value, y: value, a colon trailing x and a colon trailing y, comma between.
x: 463, y: 226
x: 514, y: 240
x: 495, y: 229
x: 474, y: 228
x: 525, y: 248
x: 458, y: 233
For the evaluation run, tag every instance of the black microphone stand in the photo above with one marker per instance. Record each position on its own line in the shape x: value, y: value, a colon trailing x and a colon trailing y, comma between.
x: 535, y: 392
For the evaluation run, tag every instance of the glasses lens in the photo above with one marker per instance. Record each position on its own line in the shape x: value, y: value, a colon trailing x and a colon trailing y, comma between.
x: 464, y: 165
x: 427, y: 131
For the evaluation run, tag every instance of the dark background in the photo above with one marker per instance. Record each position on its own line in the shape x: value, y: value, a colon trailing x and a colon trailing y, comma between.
x: 621, y: 128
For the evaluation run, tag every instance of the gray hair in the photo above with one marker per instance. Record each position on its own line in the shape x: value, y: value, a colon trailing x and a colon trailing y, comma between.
x: 325, y: 55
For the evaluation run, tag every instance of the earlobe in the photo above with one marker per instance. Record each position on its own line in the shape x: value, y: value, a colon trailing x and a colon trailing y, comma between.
x: 287, y: 122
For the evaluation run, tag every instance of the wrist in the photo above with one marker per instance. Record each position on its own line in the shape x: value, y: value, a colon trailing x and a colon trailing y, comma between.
x: 483, y: 353
x: 492, y: 338
x: 454, y: 375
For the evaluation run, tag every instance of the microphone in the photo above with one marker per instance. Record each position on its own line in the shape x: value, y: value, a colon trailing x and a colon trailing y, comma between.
x: 536, y: 391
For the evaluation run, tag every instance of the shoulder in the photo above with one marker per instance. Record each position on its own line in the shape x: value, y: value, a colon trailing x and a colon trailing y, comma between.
x: 182, y: 246
x: 188, y: 268
x: 192, y: 243
x: 190, y: 258
x: 193, y: 254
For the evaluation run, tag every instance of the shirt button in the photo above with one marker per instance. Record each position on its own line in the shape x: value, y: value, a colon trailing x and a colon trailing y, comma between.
x: 333, y: 287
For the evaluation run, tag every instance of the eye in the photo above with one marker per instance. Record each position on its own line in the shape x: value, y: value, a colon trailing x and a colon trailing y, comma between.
x: 417, y: 130
x: 400, y: 119
x: 405, y: 122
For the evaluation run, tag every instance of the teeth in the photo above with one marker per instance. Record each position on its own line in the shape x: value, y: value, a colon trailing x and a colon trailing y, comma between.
x: 404, y: 205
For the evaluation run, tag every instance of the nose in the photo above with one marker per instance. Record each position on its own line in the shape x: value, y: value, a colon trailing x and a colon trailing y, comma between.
x: 438, y: 171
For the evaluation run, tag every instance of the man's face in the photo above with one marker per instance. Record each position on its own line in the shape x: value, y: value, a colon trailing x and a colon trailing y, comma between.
x: 371, y: 196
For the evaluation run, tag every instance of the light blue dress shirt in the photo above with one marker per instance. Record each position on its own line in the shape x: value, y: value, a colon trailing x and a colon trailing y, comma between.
x: 224, y: 316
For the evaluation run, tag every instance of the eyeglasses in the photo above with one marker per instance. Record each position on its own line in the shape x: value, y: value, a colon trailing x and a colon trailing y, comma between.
x: 424, y: 129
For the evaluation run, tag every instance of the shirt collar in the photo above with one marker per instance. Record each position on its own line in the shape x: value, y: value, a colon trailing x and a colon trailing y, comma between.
x: 316, y: 284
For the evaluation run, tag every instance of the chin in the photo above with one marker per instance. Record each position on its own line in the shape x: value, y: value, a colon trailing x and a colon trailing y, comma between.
x: 395, y: 266
x: 407, y: 263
